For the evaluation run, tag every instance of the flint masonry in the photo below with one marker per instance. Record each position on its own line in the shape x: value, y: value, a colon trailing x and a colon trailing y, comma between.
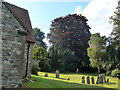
x: 16, y: 43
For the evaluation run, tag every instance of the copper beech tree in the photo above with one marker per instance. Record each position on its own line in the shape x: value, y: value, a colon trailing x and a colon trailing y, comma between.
x: 71, y: 32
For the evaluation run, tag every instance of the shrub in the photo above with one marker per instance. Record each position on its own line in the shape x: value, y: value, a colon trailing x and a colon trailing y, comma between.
x: 115, y: 73
x: 35, y: 69
x: 108, y: 72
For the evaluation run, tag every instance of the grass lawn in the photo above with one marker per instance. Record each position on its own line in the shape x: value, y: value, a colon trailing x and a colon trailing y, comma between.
x: 62, y: 82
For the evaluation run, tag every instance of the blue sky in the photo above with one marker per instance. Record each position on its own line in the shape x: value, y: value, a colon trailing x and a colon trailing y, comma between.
x: 42, y: 12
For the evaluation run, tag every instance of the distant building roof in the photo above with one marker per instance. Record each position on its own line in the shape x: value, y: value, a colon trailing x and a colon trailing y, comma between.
x: 23, y: 17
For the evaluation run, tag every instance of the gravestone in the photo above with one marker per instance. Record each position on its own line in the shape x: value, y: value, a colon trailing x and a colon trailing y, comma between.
x: 107, y: 80
x: 57, y: 73
x: 46, y: 75
x: 97, y: 82
x: 88, y: 79
x: 68, y: 78
x: 100, y: 78
x: 104, y: 79
x: 83, y: 79
x: 92, y: 79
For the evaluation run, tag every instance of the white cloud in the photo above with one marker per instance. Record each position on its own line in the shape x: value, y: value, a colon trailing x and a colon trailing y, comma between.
x: 47, y: 0
x: 78, y: 10
x: 98, y: 13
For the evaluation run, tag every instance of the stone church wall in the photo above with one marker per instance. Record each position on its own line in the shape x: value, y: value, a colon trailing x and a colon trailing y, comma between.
x: 30, y: 59
x: 13, y: 43
x: 27, y: 52
x: 0, y: 44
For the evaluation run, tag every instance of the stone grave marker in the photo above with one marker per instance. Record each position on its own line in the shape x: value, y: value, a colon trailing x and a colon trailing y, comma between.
x: 88, y: 79
x: 100, y: 78
x: 92, y: 79
x: 83, y: 79
x: 46, y: 75
x: 104, y: 79
x: 107, y: 80
x: 68, y: 78
x: 97, y: 82
x: 57, y: 73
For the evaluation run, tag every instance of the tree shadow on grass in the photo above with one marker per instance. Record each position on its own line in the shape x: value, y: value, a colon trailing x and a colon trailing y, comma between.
x: 64, y: 78
x: 109, y: 83
x: 91, y: 74
x: 50, y: 83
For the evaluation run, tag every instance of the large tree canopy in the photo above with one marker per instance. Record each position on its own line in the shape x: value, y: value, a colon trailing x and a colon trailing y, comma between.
x: 96, y: 51
x: 64, y: 60
x: 39, y: 36
x: 41, y: 56
x: 71, y: 32
x: 116, y: 22
x: 113, y: 49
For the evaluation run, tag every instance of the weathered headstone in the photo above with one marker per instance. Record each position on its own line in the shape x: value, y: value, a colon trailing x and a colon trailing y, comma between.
x: 97, y: 82
x: 57, y: 73
x: 107, y: 80
x: 46, y: 75
x: 68, y: 78
x: 100, y: 78
x: 83, y: 79
x: 104, y: 79
x: 92, y: 79
x: 88, y: 80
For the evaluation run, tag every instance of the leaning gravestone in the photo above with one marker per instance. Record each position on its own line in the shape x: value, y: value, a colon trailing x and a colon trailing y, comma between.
x: 83, y: 79
x: 92, y: 79
x: 57, y: 73
x: 88, y: 80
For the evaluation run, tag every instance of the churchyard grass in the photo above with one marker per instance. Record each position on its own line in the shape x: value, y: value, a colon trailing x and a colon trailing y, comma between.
x: 62, y: 82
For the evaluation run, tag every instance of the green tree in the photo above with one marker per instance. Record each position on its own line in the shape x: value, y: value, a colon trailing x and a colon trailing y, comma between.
x: 64, y: 60
x: 40, y: 54
x: 116, y: 23
x: 39, y: 36
x: 70, y: 61
x: 96, y: 51
x: 113, y: 56
x: 55, y: 57
x: 71, y: 32
x: 115, y: 40
x: 116, y: 35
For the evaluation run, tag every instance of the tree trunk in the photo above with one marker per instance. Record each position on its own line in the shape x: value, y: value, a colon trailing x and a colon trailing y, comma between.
x: 77, y: 70
x: 98, y: 70
x: 98, y: 66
